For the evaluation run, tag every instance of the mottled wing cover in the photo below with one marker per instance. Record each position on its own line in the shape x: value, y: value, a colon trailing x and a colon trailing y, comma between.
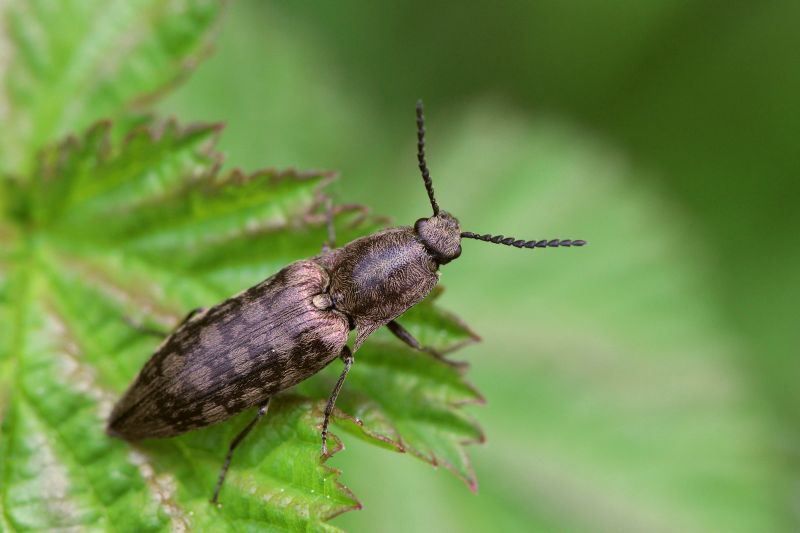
x: 234, y: 356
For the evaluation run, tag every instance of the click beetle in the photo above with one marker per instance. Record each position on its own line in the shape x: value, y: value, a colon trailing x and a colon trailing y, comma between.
x: 238, y: 354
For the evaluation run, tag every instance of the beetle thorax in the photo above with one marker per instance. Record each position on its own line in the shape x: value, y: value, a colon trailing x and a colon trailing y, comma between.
x: 378, y: 277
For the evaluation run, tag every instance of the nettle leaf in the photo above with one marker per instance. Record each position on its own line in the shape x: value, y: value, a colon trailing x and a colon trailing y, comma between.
x: 64, y: 64
x: 106, y: 233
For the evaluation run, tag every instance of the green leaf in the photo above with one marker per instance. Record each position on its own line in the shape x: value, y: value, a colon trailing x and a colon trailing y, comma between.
x: 145, y: 229
x: 65, y: 64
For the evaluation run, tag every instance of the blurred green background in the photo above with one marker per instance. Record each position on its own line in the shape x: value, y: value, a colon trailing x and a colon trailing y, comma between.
x: 647, y: 382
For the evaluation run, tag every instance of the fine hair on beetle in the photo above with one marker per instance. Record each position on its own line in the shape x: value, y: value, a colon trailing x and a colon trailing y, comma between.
x: 224, y: 359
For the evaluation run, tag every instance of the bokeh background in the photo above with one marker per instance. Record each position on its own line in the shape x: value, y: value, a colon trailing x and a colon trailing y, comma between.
x: 648, y: 382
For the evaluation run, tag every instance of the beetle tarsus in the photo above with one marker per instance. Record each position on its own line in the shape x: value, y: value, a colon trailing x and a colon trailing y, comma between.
x: 144, y: 329
x: 156, y: 332
x: 234, y: 443
x: 347, y: 357
x: 190, y: 315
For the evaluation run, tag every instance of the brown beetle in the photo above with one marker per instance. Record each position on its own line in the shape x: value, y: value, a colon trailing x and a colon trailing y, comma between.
x: 222, y: 360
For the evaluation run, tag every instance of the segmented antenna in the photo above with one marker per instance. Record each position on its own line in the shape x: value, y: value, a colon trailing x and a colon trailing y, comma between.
x: 423, y: 166
x: 519, y: 243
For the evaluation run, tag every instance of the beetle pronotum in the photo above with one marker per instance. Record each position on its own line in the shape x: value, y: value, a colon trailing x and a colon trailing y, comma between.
x: 237, y: 354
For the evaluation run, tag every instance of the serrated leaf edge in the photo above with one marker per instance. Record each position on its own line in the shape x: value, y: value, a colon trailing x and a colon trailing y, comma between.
x: 400, y: 446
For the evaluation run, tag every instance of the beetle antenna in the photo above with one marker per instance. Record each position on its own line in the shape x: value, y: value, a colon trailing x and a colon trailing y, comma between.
x: 519, y: 243
x: 423, y: 165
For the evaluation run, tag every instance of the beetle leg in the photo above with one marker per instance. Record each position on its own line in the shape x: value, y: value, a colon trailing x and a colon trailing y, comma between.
x: 156, y: 332
x: 190, y: 315
x: 330, y: 244
x: 144, y: 329
x: 234, y: 443
x: 347, y: 357
x: 403, y: 334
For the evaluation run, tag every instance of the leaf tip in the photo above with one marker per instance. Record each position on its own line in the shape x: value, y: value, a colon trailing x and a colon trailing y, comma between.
x: 479, y: 398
